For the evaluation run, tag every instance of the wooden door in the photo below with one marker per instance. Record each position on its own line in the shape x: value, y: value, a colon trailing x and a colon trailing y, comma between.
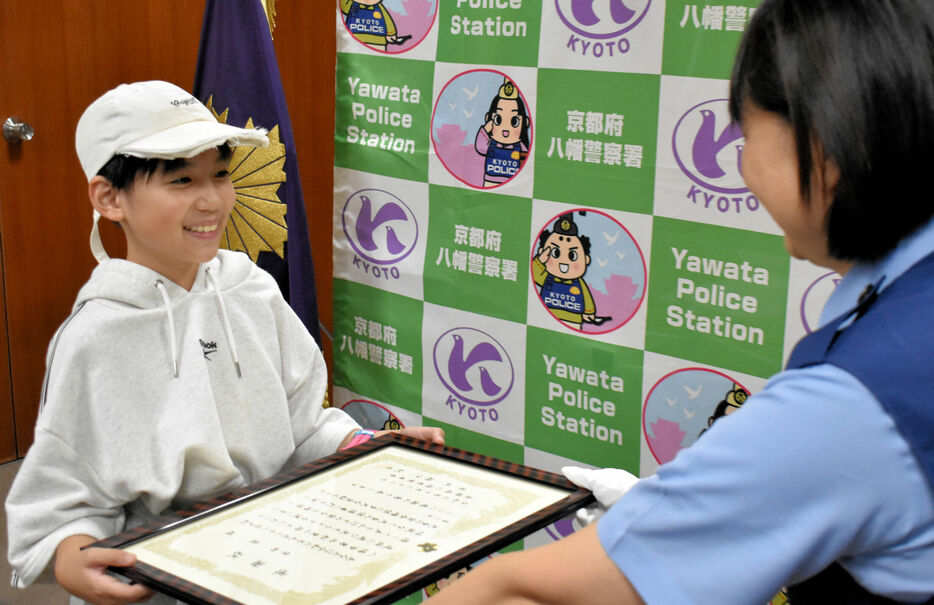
x: 58, y: 56
x: 7, y: 425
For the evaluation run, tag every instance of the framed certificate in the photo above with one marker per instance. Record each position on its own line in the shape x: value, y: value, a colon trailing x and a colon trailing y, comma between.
x: 370, y: 524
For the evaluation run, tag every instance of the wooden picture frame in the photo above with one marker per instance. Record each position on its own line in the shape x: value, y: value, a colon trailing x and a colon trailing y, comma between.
x: 370, y: 524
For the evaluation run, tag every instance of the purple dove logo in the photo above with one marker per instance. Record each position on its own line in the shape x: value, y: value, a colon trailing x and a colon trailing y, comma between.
x: 474, y: 366
x: 379, y: 226
x: 561, y: 528
x: 708, y: 147
x: 600, y: 19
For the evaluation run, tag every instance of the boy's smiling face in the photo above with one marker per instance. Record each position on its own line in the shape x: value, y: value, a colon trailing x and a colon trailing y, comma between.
x: 173, y: 221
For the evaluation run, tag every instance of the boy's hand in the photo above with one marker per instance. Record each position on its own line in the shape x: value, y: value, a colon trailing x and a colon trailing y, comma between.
x: 83, y: 573
x: 428, y: 433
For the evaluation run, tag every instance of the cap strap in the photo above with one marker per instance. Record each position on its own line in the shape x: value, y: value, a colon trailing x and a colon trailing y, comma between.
x: 97, y: 246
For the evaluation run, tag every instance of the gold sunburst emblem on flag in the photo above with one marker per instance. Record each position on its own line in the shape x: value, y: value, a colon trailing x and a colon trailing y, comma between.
x: 257, y: 221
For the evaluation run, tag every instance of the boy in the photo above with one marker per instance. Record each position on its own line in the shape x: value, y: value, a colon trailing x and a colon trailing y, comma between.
x: 182, y: 373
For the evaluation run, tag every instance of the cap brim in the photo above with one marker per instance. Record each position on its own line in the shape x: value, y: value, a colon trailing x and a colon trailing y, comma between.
x: 189, y: 139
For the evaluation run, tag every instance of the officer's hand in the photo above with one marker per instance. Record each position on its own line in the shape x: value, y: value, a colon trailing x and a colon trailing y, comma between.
x: 607, y: 484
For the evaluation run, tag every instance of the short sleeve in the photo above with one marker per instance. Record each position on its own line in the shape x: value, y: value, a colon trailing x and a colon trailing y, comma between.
x: 809, y: 471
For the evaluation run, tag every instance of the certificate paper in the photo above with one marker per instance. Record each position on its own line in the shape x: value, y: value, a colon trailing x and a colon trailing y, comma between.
x: 350, y: 530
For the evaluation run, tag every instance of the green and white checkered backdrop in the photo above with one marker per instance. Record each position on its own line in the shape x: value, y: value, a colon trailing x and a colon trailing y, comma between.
x: 440, y: 314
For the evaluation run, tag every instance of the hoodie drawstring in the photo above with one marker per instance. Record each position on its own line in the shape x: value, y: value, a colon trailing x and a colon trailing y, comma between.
x: 224, y: 320
x: 168, y: 309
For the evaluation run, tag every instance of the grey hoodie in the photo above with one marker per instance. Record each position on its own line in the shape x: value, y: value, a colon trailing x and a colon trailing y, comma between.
x: 156, y: 397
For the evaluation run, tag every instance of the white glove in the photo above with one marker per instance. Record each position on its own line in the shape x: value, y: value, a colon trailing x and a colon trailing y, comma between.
x: 607, y: 484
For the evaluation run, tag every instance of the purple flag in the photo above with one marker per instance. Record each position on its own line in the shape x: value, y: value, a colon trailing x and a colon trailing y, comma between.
x: 238, y: 79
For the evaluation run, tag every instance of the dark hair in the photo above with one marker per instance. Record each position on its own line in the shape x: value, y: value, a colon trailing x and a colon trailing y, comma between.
x: 569, y: 230
x: 855, y: 77
x: 122, y: 170
x: 520, y: 108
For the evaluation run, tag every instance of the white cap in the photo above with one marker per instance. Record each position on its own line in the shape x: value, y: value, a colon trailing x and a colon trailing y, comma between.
x: 150, y: 120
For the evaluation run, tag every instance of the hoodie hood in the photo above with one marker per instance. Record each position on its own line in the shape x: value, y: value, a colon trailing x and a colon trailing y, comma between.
x: 130, y: 284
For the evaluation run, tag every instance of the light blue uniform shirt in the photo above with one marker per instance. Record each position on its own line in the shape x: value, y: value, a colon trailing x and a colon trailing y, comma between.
x: 810, y: 470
